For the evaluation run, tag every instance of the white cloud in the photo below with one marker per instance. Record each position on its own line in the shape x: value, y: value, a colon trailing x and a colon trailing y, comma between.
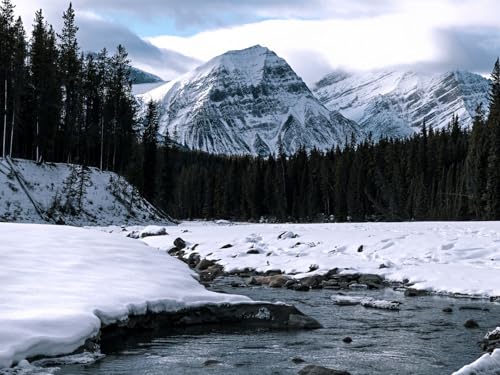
x: 314, y: 36
x: 404, y: 36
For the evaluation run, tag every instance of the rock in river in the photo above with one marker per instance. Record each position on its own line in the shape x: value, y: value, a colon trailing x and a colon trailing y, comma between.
x: 320, y: 370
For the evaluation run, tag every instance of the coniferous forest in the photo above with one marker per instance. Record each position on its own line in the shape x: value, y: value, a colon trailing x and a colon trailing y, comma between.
x: 60, y: 104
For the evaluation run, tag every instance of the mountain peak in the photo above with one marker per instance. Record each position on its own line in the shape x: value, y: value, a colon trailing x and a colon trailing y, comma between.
x: 245, y: 102
x: 255, y: 49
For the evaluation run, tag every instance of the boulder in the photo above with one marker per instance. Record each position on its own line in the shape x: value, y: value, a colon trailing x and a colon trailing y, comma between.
x: 286, y: 235
x: 448, y: 310
x: 320, y: 370
x: 253, y: 252
x: 313, y: 282
x: 331, y: 273
x: 273, y: 272
x: 204, y: 264
x: 210, y: 273
x: 179, y: 243
x: 211, y: 362
x: 299, y: 287
x: 193, y: 260
x: 347, y: 340
x: 297, y: 360
x: 346, y: 277
x: 412, y: 292
x: 491, y: 340
x: 471, y: 323
x: 243, y: 315
x: 371, y: 280
x: 278, y: 281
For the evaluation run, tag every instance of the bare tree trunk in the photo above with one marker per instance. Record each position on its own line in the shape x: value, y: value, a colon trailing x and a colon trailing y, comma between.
x: 102, y: 141
x: 12, y: 130
x: 114, y: 145
x: 37, y: 141
x: 4, y: 120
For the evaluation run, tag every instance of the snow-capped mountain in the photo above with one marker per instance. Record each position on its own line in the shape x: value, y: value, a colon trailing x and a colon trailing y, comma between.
x: 247, y: 102
x: 396, y: 103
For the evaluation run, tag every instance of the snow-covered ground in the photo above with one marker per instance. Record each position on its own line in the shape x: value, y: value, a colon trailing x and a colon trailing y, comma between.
x: 443, y: 257
x: 487, y: 364
x: 49, y: 192
x: 58, y: 284
x: 447, y: 257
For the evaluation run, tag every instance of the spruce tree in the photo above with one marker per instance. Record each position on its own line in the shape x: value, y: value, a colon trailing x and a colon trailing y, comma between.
x: 150, y: 146
x: 70, y: 71
x: 19, y: 80
x: 7, y: 42
x: 492, y: 194
x: 45, y: 89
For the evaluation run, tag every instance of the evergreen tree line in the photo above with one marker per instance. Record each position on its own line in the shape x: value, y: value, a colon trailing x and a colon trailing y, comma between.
x: 449, y: 174
x: 58, y: 103
x: 61, y: 105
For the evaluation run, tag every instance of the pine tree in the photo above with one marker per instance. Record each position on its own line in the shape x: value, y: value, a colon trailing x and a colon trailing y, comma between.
x: 45, y: 89
x: 150, y: 146
x: 70, y: 70
x: 19, y: 79
x: 119, y: 112
x: 492, y: 194
x: 7, y: 42
x: 476, y: 163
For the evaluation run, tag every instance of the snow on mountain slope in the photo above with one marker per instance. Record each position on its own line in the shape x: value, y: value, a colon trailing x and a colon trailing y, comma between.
x: 50, y: 192
x: 247, y: 102
x: 395, y: 103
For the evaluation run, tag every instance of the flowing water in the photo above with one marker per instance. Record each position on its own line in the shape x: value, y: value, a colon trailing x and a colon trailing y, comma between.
x: 420, y: 339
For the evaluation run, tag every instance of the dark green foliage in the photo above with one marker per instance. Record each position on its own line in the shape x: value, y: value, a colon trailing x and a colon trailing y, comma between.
x: 150, y: 146
x: 63, y: 106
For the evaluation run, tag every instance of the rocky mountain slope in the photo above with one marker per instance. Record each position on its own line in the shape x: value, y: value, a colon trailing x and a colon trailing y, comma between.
x: 66, y: 194
x: 247, y: 102
x: 396, y: 103
x: 138, y: 76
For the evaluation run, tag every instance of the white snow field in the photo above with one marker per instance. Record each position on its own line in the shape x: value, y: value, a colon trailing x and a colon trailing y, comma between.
x: 58, y: 283
x: 444, y: 257
x: 49, y: 192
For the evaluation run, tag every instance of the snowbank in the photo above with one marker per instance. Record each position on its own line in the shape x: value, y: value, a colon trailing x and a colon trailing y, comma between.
x: 59, y: 283
x: 448, y: 257
x: 50, y: 192
x: 367, y: 302
x: 488, y: 364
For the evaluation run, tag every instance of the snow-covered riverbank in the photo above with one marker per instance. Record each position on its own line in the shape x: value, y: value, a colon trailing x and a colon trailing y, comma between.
x: 447, y: 257
x: 59, y: 283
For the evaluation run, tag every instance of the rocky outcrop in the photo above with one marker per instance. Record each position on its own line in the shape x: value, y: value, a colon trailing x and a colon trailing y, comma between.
x: 244, y: 315
x: 491, y: 340
x: 395, y: 103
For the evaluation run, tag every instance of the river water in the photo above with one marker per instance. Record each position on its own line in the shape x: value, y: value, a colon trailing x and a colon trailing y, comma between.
x: 420, y: 339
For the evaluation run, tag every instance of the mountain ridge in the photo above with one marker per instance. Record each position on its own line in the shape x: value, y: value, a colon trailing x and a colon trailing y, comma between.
x: 247, y: 101
x: 396, y: 103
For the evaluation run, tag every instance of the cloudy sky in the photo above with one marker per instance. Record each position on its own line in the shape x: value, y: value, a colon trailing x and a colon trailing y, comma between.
x: 169, y: 37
